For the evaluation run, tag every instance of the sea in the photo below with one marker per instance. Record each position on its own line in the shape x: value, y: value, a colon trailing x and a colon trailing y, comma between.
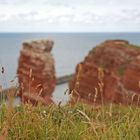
x: 69, y: 49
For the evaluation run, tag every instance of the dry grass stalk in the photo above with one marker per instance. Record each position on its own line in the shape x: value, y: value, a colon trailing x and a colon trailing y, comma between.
x: 101, y: 83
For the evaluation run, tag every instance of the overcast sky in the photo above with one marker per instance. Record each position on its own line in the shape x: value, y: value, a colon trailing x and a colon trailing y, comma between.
x: 69, y: 15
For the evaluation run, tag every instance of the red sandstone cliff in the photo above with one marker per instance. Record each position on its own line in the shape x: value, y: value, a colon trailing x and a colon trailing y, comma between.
x: 109, y: 73
x: 36, y: 72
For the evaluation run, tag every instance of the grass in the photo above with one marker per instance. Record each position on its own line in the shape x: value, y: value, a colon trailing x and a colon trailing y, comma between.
x: 121, y: 70
x: 78, y: 122
x: 135, y: 47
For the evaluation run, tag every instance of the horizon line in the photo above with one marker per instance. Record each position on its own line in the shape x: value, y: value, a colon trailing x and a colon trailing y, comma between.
x: 69, y: 32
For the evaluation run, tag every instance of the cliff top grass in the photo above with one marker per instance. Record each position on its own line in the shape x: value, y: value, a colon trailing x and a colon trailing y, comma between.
x: 78, y: 122
x: 123, y: 43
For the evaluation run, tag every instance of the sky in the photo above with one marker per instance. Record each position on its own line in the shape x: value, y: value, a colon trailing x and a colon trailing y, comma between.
x: 69, y: 15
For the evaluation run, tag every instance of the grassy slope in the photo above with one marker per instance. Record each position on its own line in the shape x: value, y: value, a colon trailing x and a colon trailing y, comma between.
x: 80, y: 122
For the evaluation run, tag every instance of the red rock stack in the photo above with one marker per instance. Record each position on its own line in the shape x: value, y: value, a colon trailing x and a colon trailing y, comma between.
x: 110, y: 73
x: 36, y: 72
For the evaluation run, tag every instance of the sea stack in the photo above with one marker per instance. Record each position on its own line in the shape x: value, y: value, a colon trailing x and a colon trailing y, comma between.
x: 36, y: 72
x: 109, y: 73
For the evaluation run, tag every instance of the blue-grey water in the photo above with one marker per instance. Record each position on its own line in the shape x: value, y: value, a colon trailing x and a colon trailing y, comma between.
x: 69, y: 49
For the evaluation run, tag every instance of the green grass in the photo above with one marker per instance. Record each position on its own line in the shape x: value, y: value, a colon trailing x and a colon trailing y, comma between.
x: 79, y: 122
x: 121, y: 70
x: 135, y: 47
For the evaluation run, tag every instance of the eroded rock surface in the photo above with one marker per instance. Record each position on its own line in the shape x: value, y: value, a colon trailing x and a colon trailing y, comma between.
x: 109, y: 73
x: 36, y: 72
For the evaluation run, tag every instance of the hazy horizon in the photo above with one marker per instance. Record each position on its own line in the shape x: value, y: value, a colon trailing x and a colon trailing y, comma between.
x: 69, y: 32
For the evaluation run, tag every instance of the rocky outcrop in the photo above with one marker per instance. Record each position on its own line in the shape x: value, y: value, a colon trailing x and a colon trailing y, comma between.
x: 109, y: 73
x: 36, y: 72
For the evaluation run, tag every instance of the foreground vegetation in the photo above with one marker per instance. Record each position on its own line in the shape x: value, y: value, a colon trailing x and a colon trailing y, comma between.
x: 79, y: 122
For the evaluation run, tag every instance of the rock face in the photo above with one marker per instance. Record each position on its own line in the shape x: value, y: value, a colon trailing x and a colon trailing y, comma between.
x: 110, y: 73
x: 36, y: 72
